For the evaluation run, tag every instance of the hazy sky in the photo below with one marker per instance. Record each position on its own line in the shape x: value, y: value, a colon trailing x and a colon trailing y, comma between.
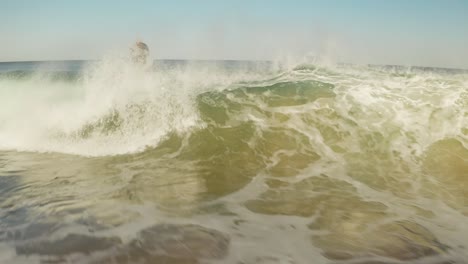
x: 406, y: 32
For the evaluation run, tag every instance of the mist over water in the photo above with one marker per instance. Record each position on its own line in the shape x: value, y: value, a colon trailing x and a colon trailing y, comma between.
x: 232, y: 162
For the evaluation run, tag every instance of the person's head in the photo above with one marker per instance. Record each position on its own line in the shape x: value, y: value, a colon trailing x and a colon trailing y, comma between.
x: 140, y: 52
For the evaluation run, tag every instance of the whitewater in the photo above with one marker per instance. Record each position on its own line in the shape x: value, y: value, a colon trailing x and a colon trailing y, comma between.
x: 232, y: 162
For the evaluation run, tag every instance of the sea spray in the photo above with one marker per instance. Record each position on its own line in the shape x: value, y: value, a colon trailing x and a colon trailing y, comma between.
x: 113, y: 107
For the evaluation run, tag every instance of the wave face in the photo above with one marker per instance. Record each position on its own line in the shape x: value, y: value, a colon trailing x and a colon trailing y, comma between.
x: 347, y: 163
x: 113, y: 108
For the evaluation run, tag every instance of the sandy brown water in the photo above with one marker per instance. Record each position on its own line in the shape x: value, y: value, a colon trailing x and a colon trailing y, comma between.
x: 342, y: 164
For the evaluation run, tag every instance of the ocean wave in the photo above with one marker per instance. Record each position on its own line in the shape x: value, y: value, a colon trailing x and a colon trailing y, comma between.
x: 357, y: 163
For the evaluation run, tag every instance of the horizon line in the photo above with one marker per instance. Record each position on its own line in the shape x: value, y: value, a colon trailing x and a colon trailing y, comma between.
x: 246, y: 60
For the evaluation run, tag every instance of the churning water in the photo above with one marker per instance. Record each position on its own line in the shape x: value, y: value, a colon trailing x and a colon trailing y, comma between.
x: 230, y: 162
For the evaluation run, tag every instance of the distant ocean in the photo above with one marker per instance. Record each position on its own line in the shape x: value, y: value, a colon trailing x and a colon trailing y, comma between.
x: 232, y: 162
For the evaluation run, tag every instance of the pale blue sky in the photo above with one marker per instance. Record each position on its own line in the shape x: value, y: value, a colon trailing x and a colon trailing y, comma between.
x: 406, y: 32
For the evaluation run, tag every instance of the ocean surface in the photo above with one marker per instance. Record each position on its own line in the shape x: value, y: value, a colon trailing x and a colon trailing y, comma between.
x: 232, y: 162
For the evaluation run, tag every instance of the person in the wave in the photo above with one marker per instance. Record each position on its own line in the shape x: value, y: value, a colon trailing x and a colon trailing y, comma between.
x: 139, y: 53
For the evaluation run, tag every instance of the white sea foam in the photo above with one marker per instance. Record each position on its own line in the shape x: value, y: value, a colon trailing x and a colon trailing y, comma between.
x: 115, y: 107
